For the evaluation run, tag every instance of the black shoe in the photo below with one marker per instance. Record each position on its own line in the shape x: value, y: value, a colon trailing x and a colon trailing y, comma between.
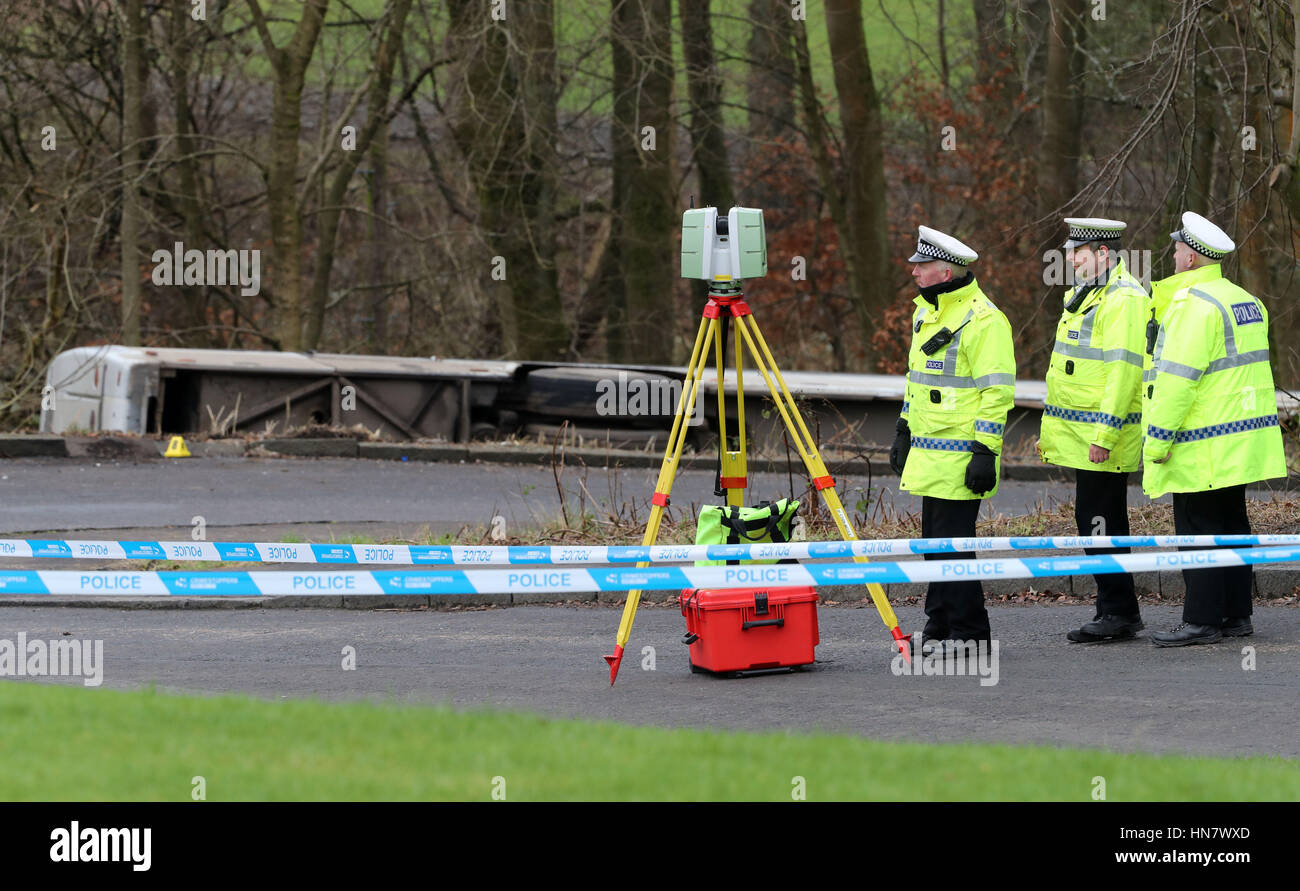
x: 1078, y: 635
x: 966, y: 644
x: 944, y: 646
x: 1186, y: 634
x: 1237, y: 627
x: 929, y: 644
x: 1107, y: 627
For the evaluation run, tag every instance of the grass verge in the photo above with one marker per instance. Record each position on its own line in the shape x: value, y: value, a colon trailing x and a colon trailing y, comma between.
x: 67, y: 743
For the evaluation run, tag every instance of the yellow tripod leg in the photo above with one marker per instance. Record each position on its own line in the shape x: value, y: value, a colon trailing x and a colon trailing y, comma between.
x: 708, y: 332
x: 812, y: 459
x: 740, y: 406
x: 731, y: 464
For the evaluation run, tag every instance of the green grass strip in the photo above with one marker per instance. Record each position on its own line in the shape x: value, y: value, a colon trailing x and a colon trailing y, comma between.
x: 70, y: 743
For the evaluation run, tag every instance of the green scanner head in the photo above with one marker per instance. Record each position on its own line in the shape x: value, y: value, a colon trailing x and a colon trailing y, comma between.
x: 723, y: 249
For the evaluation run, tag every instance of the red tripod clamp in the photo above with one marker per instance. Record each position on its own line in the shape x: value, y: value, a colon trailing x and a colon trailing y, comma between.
x: 721, y: 304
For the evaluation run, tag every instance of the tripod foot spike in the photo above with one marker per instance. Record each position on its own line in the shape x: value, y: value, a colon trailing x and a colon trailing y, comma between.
x: 904, y: 642
x: 614, y: 661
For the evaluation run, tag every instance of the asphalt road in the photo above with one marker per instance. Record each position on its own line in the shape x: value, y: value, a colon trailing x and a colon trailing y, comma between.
x: 381, y: 497
x: 1125, y: 696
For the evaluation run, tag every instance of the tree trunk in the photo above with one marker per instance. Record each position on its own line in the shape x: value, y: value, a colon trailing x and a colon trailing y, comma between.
x: 1205, y: 107
x: 1035, y: 34
x: 377, y: 117
x: 187, y: 166
x: 1058, y: 153
x: 289, y: 66
x: 1267, y: 215
x: 992, y: 49
x: 485, y: 127
x: 544, y: 331
x: 640, y: 322
x: 708, y: 139
x: 941, y: 38
x: 504, y: 121
x: 818, y: 147
x: 1058, y: 169
x: 863, y: 164
x: 1286, y: 176
x: 771, y: 81
x: 132, y: 94
x: 379, y: 234
x: 56, y: 322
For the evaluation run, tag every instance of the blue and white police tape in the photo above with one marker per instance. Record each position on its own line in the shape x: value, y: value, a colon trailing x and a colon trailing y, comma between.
x: 559, y: 579
x: 523, y: 555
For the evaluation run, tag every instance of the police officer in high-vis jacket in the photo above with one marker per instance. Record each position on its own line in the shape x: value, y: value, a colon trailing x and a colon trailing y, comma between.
x: 960, y: 385
x: 1210, y: 413
x: 1092, y: 420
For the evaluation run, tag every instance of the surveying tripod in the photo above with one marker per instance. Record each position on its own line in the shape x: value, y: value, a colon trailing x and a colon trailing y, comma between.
x: 727, y: 304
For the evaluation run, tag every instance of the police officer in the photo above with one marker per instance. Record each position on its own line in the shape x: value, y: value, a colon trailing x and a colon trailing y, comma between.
x: 1092, y: 419
x: 1210, y: 413
x: 960, y: 385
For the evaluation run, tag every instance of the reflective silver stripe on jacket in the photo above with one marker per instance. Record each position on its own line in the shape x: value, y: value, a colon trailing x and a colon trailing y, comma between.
x: 941, y: 380
x: 1233, y: 359
x: 962, y: 381
x: 1237, y: 361
x: 950, y: 356
x: 1122, y: 282
x: 1229, y: 333
x: 1074, y: 351
x: 1177, y: 369
x: 1089, y: 319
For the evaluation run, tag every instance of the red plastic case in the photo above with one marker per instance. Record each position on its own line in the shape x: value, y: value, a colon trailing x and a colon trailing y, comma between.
x: 747, y: 629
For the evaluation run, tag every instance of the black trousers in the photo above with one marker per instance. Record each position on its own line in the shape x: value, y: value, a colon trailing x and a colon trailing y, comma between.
x: 1101, y: 508
x: 1217, y: 593
x: 953, y: 609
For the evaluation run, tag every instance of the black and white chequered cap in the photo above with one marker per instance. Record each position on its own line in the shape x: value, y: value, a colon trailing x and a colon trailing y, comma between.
x: 1204, y: 237
x: 931, y: 244
x: 1088, y: 230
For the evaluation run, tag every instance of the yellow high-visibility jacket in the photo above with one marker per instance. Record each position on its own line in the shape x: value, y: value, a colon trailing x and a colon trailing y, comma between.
x: 1211, y: 406
x: 1094, y: 381
x: 958, y: 395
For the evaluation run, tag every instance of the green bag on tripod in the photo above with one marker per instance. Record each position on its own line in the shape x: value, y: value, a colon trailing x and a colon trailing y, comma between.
x: 769, y: 521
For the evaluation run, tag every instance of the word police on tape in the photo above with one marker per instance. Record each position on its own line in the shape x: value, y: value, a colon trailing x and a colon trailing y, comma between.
x: 505, y: 581
x: 462, y: 555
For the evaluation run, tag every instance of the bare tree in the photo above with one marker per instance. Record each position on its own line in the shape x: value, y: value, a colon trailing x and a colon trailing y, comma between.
x: 180, y: 46
x: 770, y: 83
x: 504, y: 121
x: 1284, y: 174
x: 704, y: 86
x: 1058, y: 164
x: 867, y: 238
x: 132, y: 93
x: 1034, y: 23
x: 377, y: 118
x: 289, y: 67
x: 640, y: 321
x: 992, y: 45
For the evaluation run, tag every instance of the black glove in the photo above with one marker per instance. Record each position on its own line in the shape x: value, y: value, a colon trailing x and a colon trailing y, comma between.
x: 982, y: 471
x: 902, y: 445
